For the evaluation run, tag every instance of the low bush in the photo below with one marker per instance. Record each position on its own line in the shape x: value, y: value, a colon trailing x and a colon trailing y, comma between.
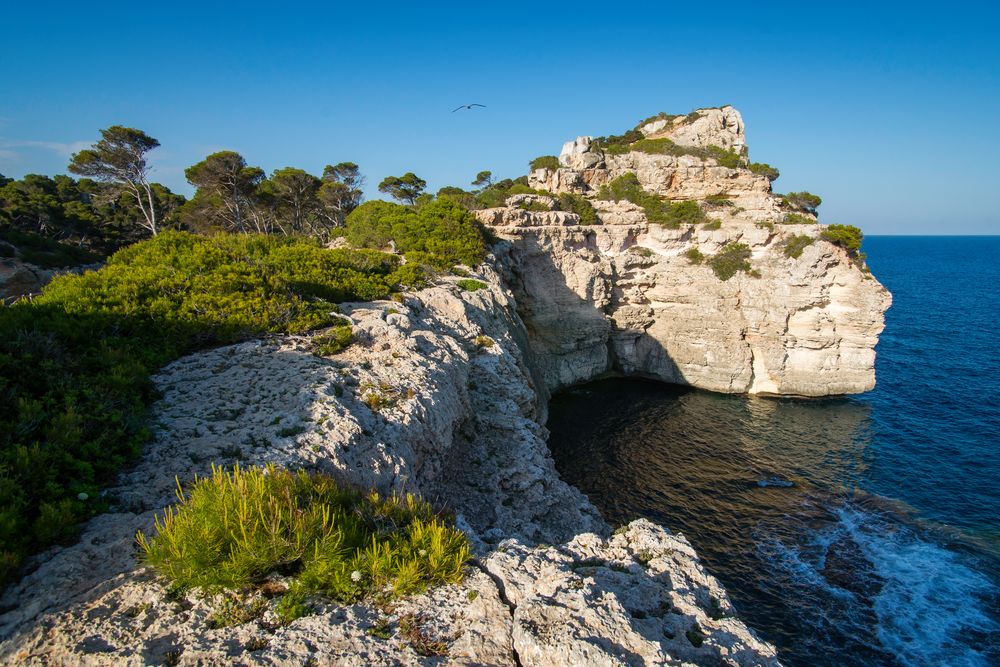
x: 544, y: 162
x: 470, y: 285
x: 802, y: 201
x: 764, y: 169
x: 580, y: 205
x: 694, y: 255
x: 332, y: 341
x: 733, y: 257
x: 234, y: 529
x: 847, y: 237
x: 794, y: 245
x: 75, y: 362
x: 672, y: 215
x: 719, y: 200
x: 443, y: 229
x: 535, y: 206
x: 797, y: 219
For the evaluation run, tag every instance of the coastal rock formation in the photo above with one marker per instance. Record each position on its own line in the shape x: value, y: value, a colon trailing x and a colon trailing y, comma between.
x: 625, y: 296
x: 444, y: 394
x: 458, y: 423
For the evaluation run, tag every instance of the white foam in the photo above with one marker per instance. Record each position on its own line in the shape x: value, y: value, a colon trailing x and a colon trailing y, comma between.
x: 929, y: 598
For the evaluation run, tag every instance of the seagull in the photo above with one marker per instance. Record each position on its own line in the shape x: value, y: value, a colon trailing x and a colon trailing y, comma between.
x: 468, y: 106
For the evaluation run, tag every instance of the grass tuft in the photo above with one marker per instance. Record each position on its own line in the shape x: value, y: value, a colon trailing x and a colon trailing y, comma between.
x: 238, y: 527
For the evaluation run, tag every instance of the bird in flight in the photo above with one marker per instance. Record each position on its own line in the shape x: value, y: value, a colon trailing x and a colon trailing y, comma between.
x: 468, y: 106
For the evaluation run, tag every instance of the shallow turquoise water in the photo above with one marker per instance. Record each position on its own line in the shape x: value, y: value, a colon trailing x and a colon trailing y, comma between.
x: 885, y: 549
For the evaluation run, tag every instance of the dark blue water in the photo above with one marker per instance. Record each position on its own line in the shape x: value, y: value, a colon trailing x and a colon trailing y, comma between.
x: 885, y: 548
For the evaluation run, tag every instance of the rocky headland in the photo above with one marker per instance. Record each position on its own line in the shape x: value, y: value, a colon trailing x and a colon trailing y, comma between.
x: 444, y: 393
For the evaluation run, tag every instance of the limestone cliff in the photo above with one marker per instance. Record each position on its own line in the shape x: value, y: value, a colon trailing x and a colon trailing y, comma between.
x: 623, y: 296
x: 458, y: 423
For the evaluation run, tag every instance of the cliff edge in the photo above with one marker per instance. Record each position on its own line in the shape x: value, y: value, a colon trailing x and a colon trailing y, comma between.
x: 636, y: 297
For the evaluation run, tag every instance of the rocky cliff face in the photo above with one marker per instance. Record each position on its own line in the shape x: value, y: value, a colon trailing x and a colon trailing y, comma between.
x: 458, y: 423
x: 623, y: 296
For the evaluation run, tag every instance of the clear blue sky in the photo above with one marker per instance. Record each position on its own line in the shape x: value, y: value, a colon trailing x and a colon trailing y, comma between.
x: 890, y: 113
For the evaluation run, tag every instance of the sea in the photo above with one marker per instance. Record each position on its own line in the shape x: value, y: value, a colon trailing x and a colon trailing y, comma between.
x: 862, y: 530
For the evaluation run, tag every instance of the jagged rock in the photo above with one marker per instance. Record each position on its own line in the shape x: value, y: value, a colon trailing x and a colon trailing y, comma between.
x: 462, y: 427
x: 805, y: 326
x: 19, y: 278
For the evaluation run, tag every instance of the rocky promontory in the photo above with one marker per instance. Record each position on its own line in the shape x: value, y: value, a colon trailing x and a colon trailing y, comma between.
x: 443, y: 393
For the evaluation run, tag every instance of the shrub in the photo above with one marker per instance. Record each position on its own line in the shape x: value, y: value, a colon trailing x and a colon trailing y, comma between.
x: 732, y: 258
x: 694, y: 255
x: 535, y: 206
x: 802, y: 201
x: 235, y: 528
x: 794, y: 245
x: 581, y: 206
x: 726, y: 157
x: 672, y: 215
x: 44, y: 252
x: 75, y: 362
x: 544, y: 162
x: 847, y: 237
x: 470, y: 285
x: 797, y: 219
x: 719, y: 200
x: 333, y: 341
x: 764, y: 169
x: 443, y: 229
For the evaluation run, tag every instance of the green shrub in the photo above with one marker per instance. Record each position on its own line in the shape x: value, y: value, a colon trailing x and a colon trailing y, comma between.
x: 732, y: 258
x: 672, y: 215
x: 726, y: 157
x: 719, y: 200
x: 235, y: 528
x: 802, y: 201
x: 443, y: 229
x: 797, y: 219
x: 535, y: 206
x: 847, y: 237
x: 470, y: 285
x: 694, y: 255
x: 333, y: 341
x: 544, y: 162
x: 794, y: 245
x: 580, y: 205
x: 75, y: 362
x: 764, y: 169
x: 45, y: 252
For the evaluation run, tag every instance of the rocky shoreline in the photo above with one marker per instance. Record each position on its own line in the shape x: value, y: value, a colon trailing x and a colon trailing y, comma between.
x: 550, y: 584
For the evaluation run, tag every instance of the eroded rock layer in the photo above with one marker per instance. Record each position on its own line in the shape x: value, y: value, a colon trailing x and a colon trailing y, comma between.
x: 625, y: 296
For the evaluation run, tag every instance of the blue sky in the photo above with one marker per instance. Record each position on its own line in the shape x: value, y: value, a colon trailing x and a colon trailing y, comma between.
x: 888, y: 111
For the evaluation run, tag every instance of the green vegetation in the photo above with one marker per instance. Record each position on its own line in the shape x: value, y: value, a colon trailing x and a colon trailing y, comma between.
x: 405, y: 188
x: 719, y: 200
x: 802, y: 201
x: 847, y: 237
x: 694, y: 255
x: 544, y: 162
x: 797, y: 219
x: 764, y: 169
x: 733, y: 257
x: 470, y: 285
x: 663, y: 146
x: 75, y: 362
x: 672, y: 215
x: 234, y: 529
x: 536, y: 206
x: 794, y: 245
x: 580, y: 205
x: 442, y: 233
x: 41, y: 251
x: 334, y: 340
x: 81, y: 215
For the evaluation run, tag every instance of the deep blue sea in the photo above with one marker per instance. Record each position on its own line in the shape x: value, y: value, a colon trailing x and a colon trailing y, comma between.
x: 852, y: 531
